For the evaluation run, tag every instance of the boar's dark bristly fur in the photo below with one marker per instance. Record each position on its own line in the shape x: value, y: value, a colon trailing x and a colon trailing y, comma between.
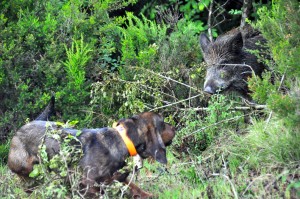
x: 229, y: 62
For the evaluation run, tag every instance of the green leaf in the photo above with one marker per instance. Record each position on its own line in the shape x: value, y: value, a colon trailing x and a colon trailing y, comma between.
x: 35, y: 172
x: 63, y: 173
x: 78, y: 133
x: 73, y: 123
x: 59, y: 123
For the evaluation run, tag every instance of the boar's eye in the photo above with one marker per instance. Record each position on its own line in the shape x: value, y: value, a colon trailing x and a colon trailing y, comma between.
x: 223, y: 74
x: 222, y: 66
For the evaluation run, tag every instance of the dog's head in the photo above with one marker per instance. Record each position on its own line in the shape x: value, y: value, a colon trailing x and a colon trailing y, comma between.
x: 150, y: 135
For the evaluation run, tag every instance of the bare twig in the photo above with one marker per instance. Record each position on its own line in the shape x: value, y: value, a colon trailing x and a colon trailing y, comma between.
x: 220, y: 6
x: 281, y: 82
x: 168, y: 78
x: 130, y: 181
x: 146, y: 88
x: 215, y: 124
x: 176, y: 102
x: 170, y: 16
x: 254, y: 180
x: 209, y: 20
x: 221, y: 21
x: 232, y: 186
x: 245, y: 12
x: 220, y: 13
x: 237, y: 108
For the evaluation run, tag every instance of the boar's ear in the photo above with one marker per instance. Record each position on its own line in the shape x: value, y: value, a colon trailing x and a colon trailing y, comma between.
x: 236, y: 43
x: 204, y: 42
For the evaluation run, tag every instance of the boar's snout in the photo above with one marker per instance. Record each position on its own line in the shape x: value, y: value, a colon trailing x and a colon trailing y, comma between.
x: 209, y: 90
x: 214, y: 87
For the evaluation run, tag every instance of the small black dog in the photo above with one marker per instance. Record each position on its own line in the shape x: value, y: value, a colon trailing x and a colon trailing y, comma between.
x: 104, y: 149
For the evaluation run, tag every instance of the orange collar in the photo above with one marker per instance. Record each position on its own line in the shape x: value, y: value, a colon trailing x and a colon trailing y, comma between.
x: 129, y: 144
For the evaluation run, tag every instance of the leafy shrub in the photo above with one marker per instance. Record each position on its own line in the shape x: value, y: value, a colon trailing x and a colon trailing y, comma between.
x: 116, y: 95
x: 150, y: 75
x: 140, y: 40
x: 64, y: 174
x: 34, y: 36
x: 199, y: 132
x: 284, y: 45
x: 76, y: 88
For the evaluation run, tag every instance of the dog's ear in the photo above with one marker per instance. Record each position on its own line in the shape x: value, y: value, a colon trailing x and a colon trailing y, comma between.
x: 85, y: 137
x: 157, y: 147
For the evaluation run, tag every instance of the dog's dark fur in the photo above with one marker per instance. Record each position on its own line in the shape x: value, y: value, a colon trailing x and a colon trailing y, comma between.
x: 103, y: 148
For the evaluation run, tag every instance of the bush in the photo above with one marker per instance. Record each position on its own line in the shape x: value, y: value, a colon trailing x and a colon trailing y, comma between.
x: 200, y: 132
x: 43, y: 51
x: 280, y: 26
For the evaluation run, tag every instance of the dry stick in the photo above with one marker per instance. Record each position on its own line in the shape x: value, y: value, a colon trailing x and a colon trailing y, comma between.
x: 215, y: 124
x: 221, y: 21
x: 246, y: 10
x: 231, y: 184
x: 238, y: 108
x: 253, y: 181
x: 168, y: 78
x: 258, y: 107
x: 209, y: 21
x: 190, y: 92
x: 147, y: 87
x: 150, y: 88
x: 178, y: 102
x: 220, y: 6
x: 127, y: 185
x: 172, y: 90
x: 228, y: 179
x: 220, y: 13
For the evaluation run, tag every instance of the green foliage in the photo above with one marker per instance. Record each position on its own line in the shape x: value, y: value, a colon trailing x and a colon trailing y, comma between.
x: 43, y: 51
x: 64, y: 174
x: 149, y: 58
x: 2, y: 75
x: 76, y: 89
x: 192, y: 9
x: 235, y: 12
x: 10, y: 187
x: 181, y: 48
x: 103, y: 66
x: 199, y: 133
x: 280, y: 26
x: 4, y: 149
x: 261, y: 85
x: 78, y: 56
x: 139, y: 41
x: 275, y: 141
x: 128, y: 97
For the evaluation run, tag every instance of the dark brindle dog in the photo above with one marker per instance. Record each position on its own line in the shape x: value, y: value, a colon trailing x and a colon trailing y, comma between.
x: 104, y: 149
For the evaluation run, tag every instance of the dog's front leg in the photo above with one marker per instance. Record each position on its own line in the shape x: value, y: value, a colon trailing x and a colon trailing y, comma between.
x: 137, y: 192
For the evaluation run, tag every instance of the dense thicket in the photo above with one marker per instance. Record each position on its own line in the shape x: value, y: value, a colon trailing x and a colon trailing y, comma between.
x: 72, y: 48
x: 103, y: 62
x: 86, y: 52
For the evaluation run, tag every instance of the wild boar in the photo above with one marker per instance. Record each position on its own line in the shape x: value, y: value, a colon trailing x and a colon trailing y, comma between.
x: 229, y: 62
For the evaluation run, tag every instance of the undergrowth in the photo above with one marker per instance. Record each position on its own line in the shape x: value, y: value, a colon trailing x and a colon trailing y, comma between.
x: 222, y: 148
